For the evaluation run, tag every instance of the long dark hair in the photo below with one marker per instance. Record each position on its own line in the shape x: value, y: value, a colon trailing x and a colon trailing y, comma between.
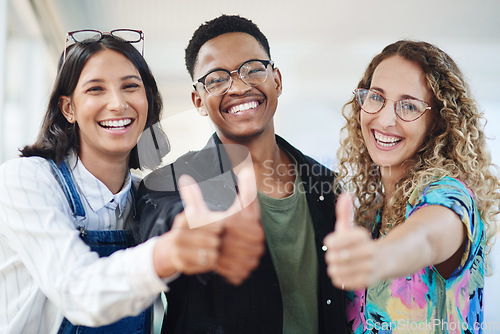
x: 57, y: 136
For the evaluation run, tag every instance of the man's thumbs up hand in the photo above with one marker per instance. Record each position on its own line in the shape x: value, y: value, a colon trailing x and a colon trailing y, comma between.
x: 243, y: 239
x: 229, y: 242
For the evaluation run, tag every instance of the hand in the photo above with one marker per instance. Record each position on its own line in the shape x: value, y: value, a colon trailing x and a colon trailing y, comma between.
x: 351, y: 255
x: 243, y: 239
x: 189, y: 247
x: 230, y: 242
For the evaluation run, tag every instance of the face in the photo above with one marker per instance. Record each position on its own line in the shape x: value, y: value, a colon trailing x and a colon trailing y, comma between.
x: 389, y: 140
x: 110, y: 106
x: 244, y: 112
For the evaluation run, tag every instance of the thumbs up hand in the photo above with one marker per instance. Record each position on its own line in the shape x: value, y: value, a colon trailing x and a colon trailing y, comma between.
x: 190, y: 247
x: 243, y: 238
x: 350, y: 255
x: 229, y: 242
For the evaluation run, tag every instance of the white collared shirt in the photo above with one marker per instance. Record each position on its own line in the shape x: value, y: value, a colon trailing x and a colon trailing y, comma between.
x: 46, y: 271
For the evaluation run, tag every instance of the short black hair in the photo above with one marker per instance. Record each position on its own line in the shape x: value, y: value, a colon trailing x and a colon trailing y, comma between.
x: 219, y: 26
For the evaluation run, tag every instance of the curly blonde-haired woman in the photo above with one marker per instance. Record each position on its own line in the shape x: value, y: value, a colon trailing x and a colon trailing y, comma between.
x: 414, y: 156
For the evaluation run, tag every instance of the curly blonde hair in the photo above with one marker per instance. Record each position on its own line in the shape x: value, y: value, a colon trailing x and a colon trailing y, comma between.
x: 455, y: 147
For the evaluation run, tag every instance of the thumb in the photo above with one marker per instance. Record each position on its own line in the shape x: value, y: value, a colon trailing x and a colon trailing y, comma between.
x: 246, y: 200
x: 180, y: 222
x: 344, y: 211
x: 192, y: 198
x: 247, y: 187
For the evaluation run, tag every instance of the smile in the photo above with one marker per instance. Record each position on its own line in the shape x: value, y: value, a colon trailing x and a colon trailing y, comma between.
x: 386, y: 141
x: 242, y: 107
x: 117, y: 124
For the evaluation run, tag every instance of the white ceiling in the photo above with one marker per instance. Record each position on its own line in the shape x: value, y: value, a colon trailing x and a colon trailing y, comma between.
x: 321, y: 47
x: 321, y: 38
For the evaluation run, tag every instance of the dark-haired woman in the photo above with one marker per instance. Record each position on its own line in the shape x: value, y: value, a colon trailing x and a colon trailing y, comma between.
x: 67, y: 205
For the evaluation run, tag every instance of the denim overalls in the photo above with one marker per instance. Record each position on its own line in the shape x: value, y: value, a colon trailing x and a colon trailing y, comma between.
x: 104, y: 243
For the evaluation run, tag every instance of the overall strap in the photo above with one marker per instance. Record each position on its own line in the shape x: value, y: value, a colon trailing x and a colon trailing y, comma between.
x: 65, y: 180
x: 104, y: 243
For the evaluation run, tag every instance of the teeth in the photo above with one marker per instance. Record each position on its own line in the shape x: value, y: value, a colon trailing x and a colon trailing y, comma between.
x: 242, y: 107
x: 120, y: 123
x: 386, y: 141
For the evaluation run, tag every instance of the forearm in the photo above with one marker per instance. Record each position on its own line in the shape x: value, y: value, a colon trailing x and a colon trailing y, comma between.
x: 429, y: 237
x: 432, y: 235
x: 110, y: 289
x: 403, y: 252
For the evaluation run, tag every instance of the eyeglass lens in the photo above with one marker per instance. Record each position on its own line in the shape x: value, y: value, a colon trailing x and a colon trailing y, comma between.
x: 372, y: 102
x: 85, y: 35
x: 131, y: 36
x: 252, y: 73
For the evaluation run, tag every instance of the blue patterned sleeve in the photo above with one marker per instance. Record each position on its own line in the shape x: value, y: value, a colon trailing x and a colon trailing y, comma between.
x: 454, y: 195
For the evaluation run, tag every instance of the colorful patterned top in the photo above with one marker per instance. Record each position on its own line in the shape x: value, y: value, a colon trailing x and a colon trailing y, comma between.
x: 425, y: 302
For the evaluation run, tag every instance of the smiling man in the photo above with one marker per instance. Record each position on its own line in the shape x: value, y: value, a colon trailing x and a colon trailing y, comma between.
x: 237, y: 85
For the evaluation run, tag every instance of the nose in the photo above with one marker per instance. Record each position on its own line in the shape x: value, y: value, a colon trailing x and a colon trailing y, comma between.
x: 387, y: 115
x: 237, y: 85
x: 117, y: 101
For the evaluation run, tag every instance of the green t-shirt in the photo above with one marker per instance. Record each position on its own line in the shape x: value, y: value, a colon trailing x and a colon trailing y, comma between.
x: 290, y: 236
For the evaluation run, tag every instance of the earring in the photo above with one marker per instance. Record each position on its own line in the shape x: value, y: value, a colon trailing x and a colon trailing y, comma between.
x: 70, y: 116
x: 202, y: 111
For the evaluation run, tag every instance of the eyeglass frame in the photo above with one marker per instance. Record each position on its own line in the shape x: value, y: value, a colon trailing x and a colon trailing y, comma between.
x: 202, y: 79
x: 395, y: 102
x: 102, y: 33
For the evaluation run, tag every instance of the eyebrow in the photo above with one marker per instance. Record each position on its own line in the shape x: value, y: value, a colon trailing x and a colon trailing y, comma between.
x: 225, y: 69
x: 402, y: 97
x: 127, y: 77
x: 137, y: 77
x: 213, y: 70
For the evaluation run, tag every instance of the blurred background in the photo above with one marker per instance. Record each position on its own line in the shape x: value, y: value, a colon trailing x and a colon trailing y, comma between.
x: 321, y: 47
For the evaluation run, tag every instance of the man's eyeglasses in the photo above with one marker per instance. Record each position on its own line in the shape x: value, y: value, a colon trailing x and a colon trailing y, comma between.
x: 252, y: 72
x: 87, y: 36
x: 407, y: 110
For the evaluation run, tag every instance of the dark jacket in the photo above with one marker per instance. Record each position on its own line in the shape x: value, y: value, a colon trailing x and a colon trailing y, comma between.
x: 207, y: 303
